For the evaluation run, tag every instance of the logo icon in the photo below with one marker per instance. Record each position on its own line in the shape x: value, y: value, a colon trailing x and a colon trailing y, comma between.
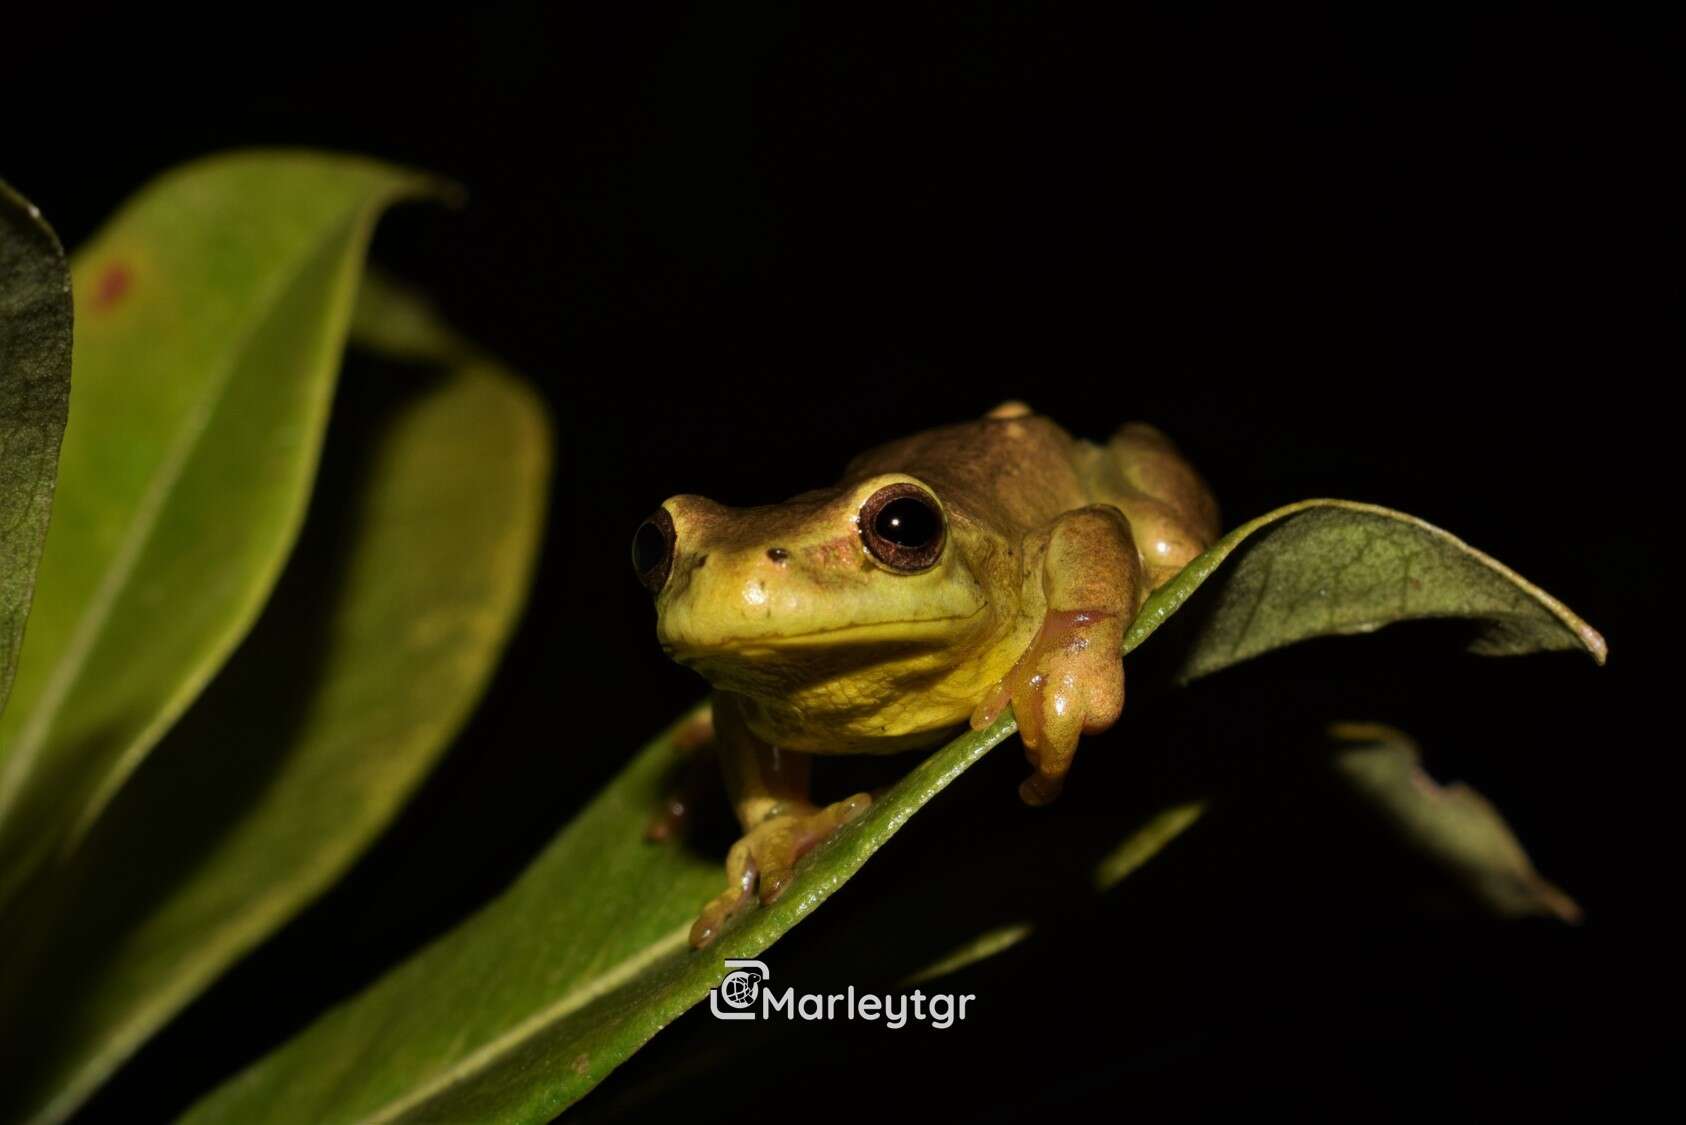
x: 735, y: 998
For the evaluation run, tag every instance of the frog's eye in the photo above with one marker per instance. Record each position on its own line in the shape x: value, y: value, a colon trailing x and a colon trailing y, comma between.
x: 652, y: 550
x: 903, y: 527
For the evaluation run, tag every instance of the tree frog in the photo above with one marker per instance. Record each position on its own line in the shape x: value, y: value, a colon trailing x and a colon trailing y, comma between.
x: 951, y: 573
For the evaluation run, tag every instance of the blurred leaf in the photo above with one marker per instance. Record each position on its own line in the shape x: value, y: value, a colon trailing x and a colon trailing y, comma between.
x: 34, y: 395
x: 211, y: 312
x: 996, y: 939
x: 380, y: 637
x: 1452, y: 825
x: 1144, y: 841
x: 398, y: 321
x: 527, y: 1005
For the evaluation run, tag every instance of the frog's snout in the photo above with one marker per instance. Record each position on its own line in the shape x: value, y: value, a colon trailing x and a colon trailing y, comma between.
x: 677, y: 541
x: 678, y: 538
x: 729, y: 573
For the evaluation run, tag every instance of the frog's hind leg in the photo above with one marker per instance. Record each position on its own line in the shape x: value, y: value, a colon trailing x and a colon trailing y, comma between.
x: 769, y: 791
x: 1171, y: 511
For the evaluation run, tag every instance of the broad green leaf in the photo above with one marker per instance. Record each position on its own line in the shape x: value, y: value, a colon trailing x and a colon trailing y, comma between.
x: 1453, y: 825
x: 1328, y: 567
x: 527, y: 1005
x: 211, y: 313
x: 34, y: 393
x: 376, y: 644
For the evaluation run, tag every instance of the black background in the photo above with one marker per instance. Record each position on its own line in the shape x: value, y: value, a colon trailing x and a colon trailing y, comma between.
x: 1424, y: 260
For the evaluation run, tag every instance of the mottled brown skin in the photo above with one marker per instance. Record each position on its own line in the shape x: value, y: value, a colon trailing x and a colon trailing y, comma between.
x: 816, y: 646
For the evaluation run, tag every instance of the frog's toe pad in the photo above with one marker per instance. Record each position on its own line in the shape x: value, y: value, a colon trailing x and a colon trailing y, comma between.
x: 764, y: 860
x: 1069, y: 682
x: 1041, y: 789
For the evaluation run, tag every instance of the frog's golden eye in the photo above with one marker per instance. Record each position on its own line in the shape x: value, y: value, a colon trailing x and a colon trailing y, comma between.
x: 903, y: 527
x: 652, y: 550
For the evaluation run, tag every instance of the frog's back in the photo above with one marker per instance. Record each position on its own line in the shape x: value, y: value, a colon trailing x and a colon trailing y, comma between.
x: 1013, y: 470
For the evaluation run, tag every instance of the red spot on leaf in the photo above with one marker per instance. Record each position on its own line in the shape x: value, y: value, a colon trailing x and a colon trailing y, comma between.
x: 112, y: 284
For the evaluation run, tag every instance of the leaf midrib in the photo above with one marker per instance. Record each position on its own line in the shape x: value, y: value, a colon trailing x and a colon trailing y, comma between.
x: 492, y: 1051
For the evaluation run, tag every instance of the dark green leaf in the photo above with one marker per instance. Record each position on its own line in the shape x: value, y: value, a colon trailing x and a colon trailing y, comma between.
x: 34, y: 396
x: 1326, y: 567
x: 1453, y: 825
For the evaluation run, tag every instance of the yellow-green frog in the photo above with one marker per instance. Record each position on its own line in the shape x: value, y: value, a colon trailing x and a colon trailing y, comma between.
x: 950, y: 573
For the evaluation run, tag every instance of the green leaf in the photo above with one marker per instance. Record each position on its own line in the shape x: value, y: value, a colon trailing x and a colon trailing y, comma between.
x: 1453, y: 825
x: 526, y: 1006
x: 523, y: 1008
x: 379, y: 639
x: 211, y: 313
x: 1327, y: 567
x: 34, y: 397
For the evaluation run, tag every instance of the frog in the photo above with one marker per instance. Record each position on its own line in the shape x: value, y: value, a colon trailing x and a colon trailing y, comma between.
x: 949, y: 575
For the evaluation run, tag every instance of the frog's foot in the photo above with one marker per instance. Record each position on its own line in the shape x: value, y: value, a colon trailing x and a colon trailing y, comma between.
x: 764, y: 860
x: 1069, y: 682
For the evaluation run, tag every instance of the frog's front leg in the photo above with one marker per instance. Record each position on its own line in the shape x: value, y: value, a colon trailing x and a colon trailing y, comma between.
x: 1070, y: 681
x: 769, y: 791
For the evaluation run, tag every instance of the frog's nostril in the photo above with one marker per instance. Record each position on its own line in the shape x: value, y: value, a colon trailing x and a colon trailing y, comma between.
x: 778, y: 554
x: 652, y: 550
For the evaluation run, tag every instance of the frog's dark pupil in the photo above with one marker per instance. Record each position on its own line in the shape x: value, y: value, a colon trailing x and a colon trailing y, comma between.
x: 649, y: 547
x: 907, y: 522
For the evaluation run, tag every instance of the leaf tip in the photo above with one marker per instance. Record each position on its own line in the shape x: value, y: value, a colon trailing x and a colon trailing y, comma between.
x: 1595, y: 644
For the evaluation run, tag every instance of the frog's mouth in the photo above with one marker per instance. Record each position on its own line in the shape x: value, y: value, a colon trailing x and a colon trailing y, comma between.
x: 839, y: 663
x: 892, y: 637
